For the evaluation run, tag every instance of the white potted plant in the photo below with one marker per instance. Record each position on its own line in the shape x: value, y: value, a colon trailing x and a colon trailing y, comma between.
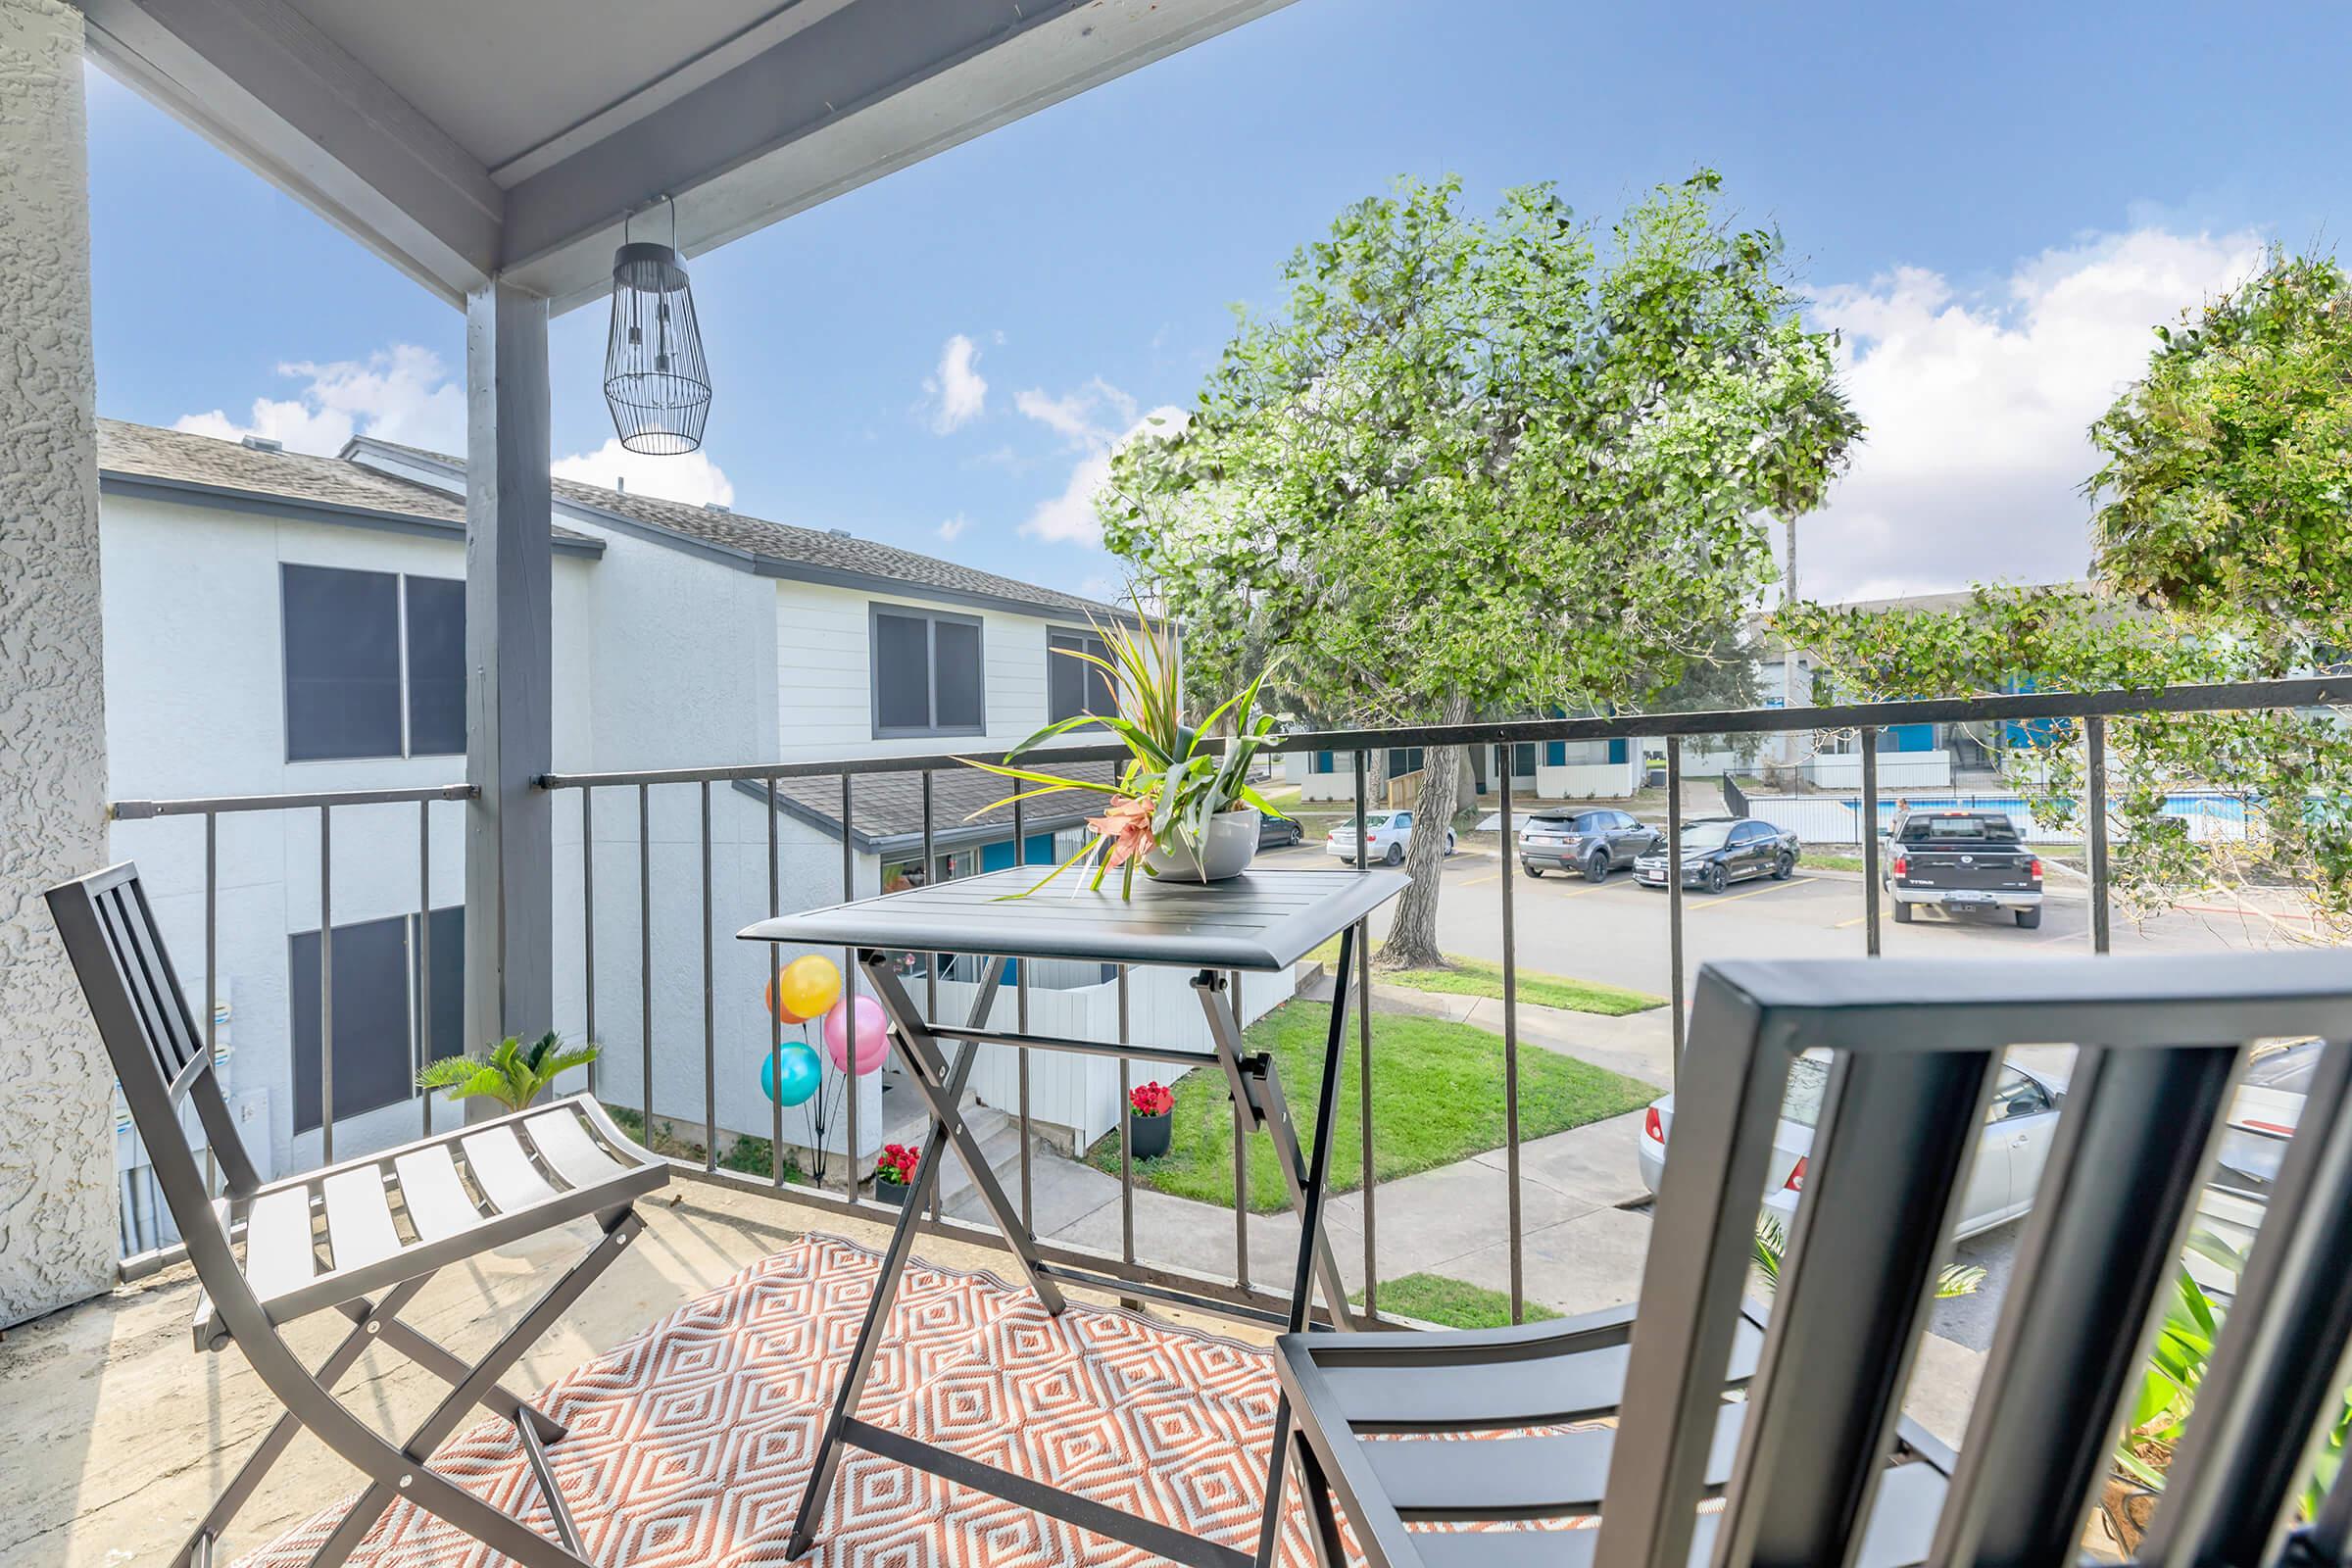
x: 1180, y: 808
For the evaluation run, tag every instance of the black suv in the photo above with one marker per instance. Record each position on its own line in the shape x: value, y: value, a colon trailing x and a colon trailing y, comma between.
x: 1595, y: 841
x: 1718, y: 851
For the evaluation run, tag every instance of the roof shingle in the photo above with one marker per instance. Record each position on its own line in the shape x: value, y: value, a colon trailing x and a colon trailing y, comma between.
x: 182, y: 457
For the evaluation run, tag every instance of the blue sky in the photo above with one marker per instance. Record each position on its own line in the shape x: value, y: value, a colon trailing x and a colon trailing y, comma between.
x: 1994, y: 206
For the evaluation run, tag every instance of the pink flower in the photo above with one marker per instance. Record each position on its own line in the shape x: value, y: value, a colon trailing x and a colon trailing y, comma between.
x: 1126, y: 826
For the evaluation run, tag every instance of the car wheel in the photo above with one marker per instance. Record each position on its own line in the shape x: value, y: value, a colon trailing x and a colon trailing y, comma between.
x: 2031, y: 919
x: 1530, y: 870
x: 1785, y: 867
x: 1902, y: 912
x: 1396, y: 854
x: 1449, y: 842
x: 1596, y: 866
x: 1716, y: 880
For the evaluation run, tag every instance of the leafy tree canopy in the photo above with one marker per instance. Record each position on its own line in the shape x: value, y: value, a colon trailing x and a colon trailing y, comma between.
x: 2223, y: 550
x: 1471, y: 465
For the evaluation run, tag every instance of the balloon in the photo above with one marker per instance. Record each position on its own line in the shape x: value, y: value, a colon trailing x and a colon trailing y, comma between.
x: 810, y: 986
x: 802, y: 1074
x: 873, y: 1047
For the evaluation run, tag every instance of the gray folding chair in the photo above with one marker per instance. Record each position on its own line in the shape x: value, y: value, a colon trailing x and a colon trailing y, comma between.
x: 360, y: 1238
x: 1816, y: 1465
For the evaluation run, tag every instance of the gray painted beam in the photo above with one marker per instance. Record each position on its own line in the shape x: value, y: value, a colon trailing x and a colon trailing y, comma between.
x: 259, y: 79
x: 510, y: 837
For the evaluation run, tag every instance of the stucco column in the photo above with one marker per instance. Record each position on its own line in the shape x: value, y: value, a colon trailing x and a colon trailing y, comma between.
x: 56, y: 1163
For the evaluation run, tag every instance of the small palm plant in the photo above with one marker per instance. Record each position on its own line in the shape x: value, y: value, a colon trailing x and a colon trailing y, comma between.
x: 1772, y: 1245
x: 513, y: 1074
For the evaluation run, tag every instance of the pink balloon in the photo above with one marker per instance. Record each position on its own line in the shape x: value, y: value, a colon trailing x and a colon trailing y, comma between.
x: 873, y: 1047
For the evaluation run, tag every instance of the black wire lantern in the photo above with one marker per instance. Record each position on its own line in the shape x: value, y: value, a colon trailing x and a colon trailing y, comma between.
x: 656, y: 379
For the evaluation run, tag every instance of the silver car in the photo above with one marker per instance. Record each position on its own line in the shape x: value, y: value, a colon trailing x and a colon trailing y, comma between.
x: 2019, y: 1125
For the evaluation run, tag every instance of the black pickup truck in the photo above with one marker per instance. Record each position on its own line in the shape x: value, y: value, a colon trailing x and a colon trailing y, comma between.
x: 1958, y: 860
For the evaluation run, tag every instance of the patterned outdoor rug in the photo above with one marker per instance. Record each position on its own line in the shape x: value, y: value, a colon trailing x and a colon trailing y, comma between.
x: 690, y: 1444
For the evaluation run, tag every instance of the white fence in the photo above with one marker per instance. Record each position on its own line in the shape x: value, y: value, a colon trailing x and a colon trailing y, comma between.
x: 1898, y: 771
x: 1837, y: 819
x: 1080, y: 1094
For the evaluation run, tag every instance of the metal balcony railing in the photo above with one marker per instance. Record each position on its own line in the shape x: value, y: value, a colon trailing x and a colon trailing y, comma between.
x: 658, y: 1034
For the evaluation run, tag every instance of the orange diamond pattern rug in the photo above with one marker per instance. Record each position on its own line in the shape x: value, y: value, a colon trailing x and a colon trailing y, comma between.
x: 689, y: 1445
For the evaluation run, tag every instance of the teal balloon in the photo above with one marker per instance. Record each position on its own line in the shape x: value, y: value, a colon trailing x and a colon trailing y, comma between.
x: 802, y: 1074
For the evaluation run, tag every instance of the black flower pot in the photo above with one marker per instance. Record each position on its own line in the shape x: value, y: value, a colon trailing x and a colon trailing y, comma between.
x: 892, y: 1192
x: 1147, y: 1136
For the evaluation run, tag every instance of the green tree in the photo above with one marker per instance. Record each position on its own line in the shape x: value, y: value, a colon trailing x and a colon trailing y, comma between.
x: 2220, y: 515
x: 1481, y: 465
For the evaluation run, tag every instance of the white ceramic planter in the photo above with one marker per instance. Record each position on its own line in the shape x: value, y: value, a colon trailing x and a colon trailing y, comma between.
x: 1228, y: 846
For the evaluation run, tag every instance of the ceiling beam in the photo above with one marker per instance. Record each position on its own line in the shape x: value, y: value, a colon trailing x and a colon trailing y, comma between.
x: 870, y: 88
x: 258, y: 80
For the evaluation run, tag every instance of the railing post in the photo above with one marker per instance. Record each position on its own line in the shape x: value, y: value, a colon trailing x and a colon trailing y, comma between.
x: 327, y: 986
x: 1363, y: 1054
x: 710, y: 1005
x: 2095, y: 742
x: 1674, y: 902
x: 1510, y: 1062
x: 1870, y: 840
x: 849, y: 997
x: 645, y: 951
x: 587, y: 923
x: 424, y: 952
x: 1020, y: 1006
x: 775, y: 983
x: 212, y: 967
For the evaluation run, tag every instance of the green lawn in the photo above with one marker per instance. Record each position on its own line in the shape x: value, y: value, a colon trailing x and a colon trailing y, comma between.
x: 1436, y: 1098
x: 1456, y: 1304
x: 1477, y: 977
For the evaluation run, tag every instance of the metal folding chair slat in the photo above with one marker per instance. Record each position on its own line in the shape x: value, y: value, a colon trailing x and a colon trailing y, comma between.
x: 564, y: 1143
x: 359, y: 1218
x: 1451, y: 1393
x: 164, y: 1042
x: 279, y: 1256
x: 504, y: 1171
x: 433, y: 1193
x: 1517, y: 1477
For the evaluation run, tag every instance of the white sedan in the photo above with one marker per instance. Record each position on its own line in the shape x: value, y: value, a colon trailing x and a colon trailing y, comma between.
x: 2011, y: 1151
x: 1385, y: 834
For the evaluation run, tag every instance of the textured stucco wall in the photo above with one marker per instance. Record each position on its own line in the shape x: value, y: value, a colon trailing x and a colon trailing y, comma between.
x: 57, y: 1203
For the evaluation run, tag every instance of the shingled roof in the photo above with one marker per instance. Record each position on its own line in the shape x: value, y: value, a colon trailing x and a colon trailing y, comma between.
x: 813, y: 553
x: 203, y: 464
x: 888, y: 808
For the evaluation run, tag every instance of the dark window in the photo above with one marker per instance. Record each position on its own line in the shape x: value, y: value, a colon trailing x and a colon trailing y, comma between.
x: 1523, y: 760
x: 1750, y: 832
x: 375, y: 984
x: 342, y: 637
x: 1403, y: 759
x: 436, y: 616
x: 1072, y: 685
x: 929, y: 678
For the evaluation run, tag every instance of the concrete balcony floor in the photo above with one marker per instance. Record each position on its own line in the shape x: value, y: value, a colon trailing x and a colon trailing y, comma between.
x: 117, y: 1433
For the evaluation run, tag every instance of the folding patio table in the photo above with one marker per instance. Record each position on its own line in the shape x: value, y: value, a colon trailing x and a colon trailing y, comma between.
x: 1263, y: 922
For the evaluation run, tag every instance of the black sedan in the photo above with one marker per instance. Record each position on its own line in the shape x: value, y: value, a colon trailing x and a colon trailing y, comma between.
x: 1719, y: 851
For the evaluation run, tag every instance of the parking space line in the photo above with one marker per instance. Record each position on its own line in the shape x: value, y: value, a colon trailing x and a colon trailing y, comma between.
x: 1752, y: 892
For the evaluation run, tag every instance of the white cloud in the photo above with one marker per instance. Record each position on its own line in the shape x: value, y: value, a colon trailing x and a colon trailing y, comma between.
x: 401, y: 394
x: 691, y: 479
x: 952, y: 529
x: 1978, y: 408
x: 1095, y: 421
x: 955, y: 394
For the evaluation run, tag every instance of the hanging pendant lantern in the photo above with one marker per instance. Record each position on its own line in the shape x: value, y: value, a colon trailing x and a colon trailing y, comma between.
x: 656, y: 379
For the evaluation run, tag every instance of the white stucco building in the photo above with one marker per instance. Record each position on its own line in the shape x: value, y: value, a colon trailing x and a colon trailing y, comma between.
x: 276, y: 623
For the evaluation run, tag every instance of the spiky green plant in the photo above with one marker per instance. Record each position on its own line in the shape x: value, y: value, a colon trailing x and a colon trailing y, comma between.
x: 513, y: 1074
x: 1772, y: 1245
x: 1175, y: 773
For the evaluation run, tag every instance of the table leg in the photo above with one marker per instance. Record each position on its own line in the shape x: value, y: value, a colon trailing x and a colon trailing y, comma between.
x: 893, y: 1266
x: 920, y: 1049
x: 1265, y: 1103
x: 1318, y: 1174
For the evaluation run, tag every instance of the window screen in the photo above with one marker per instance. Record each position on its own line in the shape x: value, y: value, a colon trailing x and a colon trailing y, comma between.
x: 955, y: 674
x: 1074, y: 686
x: 928, y: 675
x: 372, y: 1017
x: 342, y: 652
x: 436, y: 613
x: 901, y: 672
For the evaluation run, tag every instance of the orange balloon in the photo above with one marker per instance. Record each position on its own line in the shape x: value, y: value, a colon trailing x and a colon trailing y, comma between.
x: 783, y: 1014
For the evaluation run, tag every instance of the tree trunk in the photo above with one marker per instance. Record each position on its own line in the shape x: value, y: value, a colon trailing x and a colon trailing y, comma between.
x: 1412, y: 942
x: 1789, y: 697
